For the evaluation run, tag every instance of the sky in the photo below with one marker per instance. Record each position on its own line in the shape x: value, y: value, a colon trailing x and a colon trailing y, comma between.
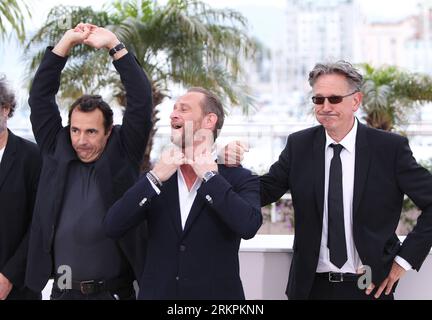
x: 265, y: 19
x: 375, y: 10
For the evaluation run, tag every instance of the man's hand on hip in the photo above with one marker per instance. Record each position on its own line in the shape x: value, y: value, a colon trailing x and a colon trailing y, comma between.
x: 395, y: 274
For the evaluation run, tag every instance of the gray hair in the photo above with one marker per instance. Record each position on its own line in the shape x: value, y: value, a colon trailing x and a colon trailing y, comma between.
x: 211, y: 104
x: 344, y: 68
x: 7, y: 97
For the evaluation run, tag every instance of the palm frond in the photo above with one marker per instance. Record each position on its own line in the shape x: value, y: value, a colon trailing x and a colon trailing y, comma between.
x: 13, y: 14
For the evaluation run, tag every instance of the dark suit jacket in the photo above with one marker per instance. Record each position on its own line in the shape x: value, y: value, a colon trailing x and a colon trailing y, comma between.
x: 201, y: 261
x: 117, y: 169
x: 385, y: 170
x: 19, y: 174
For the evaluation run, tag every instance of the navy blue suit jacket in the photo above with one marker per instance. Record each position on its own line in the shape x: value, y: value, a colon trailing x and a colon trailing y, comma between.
x: 201, y: 261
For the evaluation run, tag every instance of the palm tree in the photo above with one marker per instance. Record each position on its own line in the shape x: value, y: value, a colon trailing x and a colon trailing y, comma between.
x: 184, y: 42
x: 12, y: 13
x: 390, y: 94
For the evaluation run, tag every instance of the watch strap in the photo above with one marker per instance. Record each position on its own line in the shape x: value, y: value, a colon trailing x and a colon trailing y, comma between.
x: 116, y: 49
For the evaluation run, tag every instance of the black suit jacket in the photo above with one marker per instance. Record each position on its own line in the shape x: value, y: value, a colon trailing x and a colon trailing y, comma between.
x: 385, y: 170
x: 201, y: 261
x: 117, y: 169
x: 19, y: 174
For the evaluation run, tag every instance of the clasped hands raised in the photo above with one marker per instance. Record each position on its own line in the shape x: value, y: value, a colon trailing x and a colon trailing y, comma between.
x: 88, y: 34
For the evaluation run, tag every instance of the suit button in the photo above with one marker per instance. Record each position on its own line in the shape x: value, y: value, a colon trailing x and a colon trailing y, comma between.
x: 143, y: 201
x: 182, y: 248
x: 209, y: 199
x: 177, y: 278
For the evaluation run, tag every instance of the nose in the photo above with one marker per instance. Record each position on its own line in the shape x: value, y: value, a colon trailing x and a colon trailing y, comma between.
x: 174, y: 115
x: 327, y: 106
x: 82, y: 140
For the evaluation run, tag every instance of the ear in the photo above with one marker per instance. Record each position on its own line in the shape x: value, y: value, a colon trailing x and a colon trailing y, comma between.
x: 5, y: 110
x: 109, y: 131
x: 209, y: 121
x: 358, y: 98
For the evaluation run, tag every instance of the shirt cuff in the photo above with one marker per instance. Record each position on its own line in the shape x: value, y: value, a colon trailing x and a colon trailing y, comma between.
x: 403, y: 263
x: 154, y: 186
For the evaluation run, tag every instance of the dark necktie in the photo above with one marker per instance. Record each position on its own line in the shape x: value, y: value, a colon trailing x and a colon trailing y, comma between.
x: 336, y: 229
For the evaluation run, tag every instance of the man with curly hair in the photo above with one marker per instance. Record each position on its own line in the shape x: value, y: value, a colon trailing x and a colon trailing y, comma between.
x: 20, y: 164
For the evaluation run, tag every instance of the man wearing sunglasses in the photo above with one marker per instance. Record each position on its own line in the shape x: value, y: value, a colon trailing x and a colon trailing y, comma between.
x: 347, y: 183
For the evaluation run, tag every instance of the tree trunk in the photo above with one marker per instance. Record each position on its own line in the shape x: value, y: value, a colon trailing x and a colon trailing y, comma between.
x: 379, y: 120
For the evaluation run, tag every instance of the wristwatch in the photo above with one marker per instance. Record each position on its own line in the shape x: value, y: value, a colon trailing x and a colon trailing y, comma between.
x: 116, y: 49
x: 208, y: 175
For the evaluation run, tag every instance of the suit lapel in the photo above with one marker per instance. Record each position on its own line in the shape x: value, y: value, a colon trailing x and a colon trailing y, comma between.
x: 8, y: 157
x: 319, y: 167
x: 362, y: 160
x: 196, y: 209
x: 173, y: 207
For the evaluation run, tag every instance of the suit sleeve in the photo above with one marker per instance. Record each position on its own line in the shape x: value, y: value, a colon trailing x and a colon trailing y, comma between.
x: 416, y: 182
x: 275, y: 183
x: 130, y: 210
x: 239, y: 209
x: 45, y: 116
x: 137, y: 120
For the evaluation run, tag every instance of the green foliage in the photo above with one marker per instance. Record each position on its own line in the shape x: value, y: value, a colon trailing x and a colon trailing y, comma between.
x: 390, y: 93
x: 12, y: 14
x: 88, y: 69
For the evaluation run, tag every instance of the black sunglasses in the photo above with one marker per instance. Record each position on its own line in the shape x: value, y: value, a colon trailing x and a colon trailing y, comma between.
x: 331, y: 99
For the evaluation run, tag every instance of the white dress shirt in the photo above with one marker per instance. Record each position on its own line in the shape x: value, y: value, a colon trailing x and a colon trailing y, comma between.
x: 347, y: 155
x: 1, y: 153
x: 186, y: 197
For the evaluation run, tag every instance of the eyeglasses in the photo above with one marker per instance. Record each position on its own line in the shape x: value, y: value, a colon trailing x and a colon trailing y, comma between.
x: 331, y: 99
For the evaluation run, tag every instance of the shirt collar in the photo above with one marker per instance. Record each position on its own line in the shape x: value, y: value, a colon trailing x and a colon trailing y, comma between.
x: 348, y: 142
x: 181, y: 180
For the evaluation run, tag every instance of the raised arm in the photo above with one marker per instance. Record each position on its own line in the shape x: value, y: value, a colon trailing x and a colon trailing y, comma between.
x: 137, y: 118
x: 45, y: 116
